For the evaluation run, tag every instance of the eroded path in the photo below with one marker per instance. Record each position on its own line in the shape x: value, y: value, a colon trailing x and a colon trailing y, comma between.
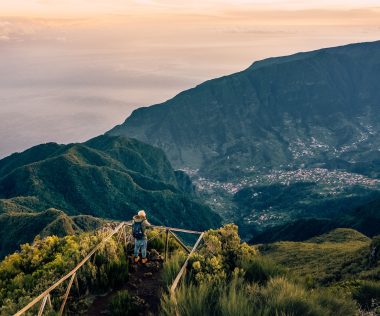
x: 144, y: 286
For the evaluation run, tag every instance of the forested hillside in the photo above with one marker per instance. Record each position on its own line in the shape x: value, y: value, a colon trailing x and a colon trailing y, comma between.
x: 106, y: 177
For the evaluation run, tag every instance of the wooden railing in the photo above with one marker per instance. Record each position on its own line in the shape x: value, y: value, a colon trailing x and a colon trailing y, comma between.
x: 120, y: 230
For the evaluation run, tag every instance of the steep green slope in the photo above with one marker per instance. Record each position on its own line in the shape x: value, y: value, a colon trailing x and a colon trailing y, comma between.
x: 107, y: 177
x: 301, y: 109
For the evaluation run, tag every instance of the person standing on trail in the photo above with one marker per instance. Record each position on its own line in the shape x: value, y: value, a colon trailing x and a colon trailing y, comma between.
x: 139, y: 226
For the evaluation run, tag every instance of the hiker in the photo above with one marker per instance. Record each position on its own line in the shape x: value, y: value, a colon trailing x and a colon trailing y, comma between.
x: 139, y: 226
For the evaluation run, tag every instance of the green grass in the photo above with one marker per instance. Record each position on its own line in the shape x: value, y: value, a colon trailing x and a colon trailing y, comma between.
x: 191, y: 300
x: 283, y: 297
x: 261, y: 269
x: 171, y: 267
x: 229, y: 278
x: 278, y: 297
x: 367, y: 294
x: 122, y: 305
x: 234, y: 300
x: 325, y: 259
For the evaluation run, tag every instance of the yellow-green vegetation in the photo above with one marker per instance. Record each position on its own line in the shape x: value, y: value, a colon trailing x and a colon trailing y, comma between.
x: 172, y: 266
x: 342, y: 260
x: 228, y: 277
x: 367, y: 294
x: 157, y: 240
x: 326, y: 259
x: 26, y: 274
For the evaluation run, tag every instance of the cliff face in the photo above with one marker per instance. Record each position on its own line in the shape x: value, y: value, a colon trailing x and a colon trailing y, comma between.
x: 297, y: 109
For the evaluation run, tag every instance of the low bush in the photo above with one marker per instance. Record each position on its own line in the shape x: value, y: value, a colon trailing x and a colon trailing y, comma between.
x: 191, y: 300
x: 122, y: 305
x: 282, y: 297
x: 171, y: 267
x: 261, y: 269
x: 367, y: 294
x: 229, y: 278
x: 234, y: 299
x: 26, y: 274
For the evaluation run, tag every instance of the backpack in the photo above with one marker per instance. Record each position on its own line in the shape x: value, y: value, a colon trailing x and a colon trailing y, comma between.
x: 137, y: 231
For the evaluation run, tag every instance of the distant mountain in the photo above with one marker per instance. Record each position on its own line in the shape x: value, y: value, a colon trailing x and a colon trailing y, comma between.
x: 106, y: 177
x: 303, y: 109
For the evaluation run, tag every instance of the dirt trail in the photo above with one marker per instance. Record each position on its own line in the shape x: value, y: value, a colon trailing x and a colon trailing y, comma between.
x: 144, y: 285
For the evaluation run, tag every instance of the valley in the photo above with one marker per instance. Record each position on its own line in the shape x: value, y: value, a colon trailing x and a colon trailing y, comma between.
x: 267, y: 198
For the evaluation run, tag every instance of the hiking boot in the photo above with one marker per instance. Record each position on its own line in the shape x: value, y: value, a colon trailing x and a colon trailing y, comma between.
x: 144, y: 260
x: 136, y: 260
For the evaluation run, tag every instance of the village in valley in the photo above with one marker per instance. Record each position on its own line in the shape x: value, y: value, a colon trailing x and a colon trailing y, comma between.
x: 329, y: 184
x: 337, y: 179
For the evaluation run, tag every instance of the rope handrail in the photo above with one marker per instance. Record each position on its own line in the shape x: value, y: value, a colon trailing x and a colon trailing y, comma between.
x: 45, y: 296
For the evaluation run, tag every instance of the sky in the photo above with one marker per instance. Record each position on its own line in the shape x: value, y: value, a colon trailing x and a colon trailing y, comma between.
x: 72, y: 69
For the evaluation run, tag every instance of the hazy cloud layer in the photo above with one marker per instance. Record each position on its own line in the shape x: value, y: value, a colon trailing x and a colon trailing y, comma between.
x: 68, y: 80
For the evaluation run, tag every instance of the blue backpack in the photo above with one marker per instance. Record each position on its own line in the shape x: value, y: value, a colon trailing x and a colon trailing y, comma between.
x: 137, y: 231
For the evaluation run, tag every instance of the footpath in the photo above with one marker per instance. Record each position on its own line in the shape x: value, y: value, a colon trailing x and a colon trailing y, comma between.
x: 144, y: 285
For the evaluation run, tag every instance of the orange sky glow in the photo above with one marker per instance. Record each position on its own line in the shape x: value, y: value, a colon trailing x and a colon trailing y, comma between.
x: 72, y: 69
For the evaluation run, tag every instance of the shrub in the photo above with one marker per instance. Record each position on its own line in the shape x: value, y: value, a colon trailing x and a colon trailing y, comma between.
x: 228, y: 278
x: 367, y: 294
x: 282, y: 297
x: 335, y: 304
x: 375, y: 250
x: 234, y: 300
x: 191, y: 300
x: 158, y: 241
x: 122, y: 304
x: 221, y: 254
x: 172, y: 266
x: 26, y: 274
x: 261, y: 269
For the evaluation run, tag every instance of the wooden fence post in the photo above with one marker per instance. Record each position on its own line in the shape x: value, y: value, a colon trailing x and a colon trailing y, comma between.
x: 76, y: 284
x: 49, y: 301
x: 42, y: 306
x: 166, y: 244
x: 181, y: 272
x: 66, y: 295
x: 179, y: 275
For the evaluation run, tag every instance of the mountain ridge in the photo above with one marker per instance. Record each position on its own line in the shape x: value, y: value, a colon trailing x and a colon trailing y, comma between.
x: 108, y: 177
x: 279, y: 111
